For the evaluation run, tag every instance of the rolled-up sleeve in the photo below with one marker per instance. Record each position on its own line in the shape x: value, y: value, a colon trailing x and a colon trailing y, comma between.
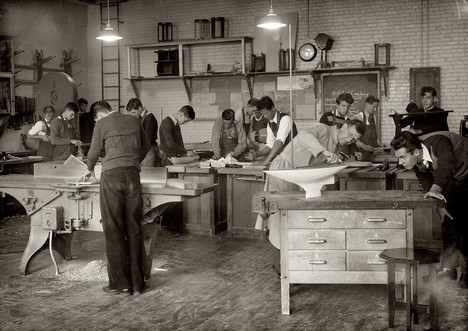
x: 37, y: 129
x: 284, y: 128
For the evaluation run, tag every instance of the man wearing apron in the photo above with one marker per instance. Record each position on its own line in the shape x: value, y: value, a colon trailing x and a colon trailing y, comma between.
x: 366, y: 144
x: 42, y: 129
x: 63, y: 133
x: 228, y: 136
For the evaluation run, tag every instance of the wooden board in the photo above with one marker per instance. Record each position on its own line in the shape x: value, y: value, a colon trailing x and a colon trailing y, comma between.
x: 392, y: 199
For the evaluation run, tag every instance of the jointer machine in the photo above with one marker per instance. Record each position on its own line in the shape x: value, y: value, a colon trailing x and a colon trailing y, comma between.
x: 58, y: 205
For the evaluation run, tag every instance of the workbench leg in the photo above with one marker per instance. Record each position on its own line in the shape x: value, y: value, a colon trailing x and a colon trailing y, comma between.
x: 148, y: 232
x: 433, y: 297
x: 391, y: 293
x: 38, y: 240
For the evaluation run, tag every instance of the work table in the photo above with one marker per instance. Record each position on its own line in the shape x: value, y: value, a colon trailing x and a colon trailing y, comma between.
x: 337, y: 238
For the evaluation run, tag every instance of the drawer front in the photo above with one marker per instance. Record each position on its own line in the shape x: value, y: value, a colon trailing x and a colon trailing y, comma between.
x: 365, y: 261
x: 378, y: 240
x: 383, y: 219
x: 318, y: 239
x: 316, y: 260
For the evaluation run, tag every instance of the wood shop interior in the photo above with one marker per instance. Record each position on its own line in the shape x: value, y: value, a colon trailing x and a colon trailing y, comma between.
x: 304, y: 157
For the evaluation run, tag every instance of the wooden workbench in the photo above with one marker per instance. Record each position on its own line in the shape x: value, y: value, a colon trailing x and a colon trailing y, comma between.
x: 337, y: 238
x: 241, y: 185
x: 205, y: 214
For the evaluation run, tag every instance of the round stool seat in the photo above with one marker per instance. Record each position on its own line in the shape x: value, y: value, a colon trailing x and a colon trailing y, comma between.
x: 405, y: 255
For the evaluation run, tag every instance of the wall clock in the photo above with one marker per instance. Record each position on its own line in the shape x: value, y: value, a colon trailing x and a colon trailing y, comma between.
x: 307, y: 52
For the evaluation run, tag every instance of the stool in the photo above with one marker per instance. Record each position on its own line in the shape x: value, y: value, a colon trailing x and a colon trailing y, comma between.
x: 411, y: 258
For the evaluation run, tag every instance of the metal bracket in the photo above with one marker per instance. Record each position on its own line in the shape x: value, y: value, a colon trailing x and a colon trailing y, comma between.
x: 32, y: 204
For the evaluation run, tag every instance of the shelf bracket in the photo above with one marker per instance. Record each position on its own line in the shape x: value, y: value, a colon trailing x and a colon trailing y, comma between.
x: 250, y: 82
x: 136, y: 84
x: 187, y: 89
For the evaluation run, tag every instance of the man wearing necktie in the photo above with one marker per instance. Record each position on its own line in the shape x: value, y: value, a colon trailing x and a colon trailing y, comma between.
x: 429, y: 122
x: 42, y: 129
x: 440, y: 162
x: 278, y: 131
x: 369, y: 140
x: 339, y: 117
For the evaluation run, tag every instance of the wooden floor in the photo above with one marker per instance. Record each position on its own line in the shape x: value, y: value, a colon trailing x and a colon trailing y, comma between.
x: 198, y: 283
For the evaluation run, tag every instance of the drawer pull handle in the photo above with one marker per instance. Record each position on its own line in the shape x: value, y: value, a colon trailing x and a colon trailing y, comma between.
x: 376, y: 241
x: 316, y: 241
x: 318, y: 262
x: 313, y: 219
x: 375, y: 219
x: 376, y: 262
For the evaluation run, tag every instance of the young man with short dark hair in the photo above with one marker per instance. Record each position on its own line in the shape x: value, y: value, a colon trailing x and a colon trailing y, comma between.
x: 338, y: 117
x: 63, y: 134
x: 170, y: 135
x: 278, y: 131
x: 440, y: 162
x: 124, y: 144
x: 150, y: 127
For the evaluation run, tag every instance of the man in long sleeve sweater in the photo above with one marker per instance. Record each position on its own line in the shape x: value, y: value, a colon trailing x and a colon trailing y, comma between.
x: 125, y: 144
x: 440, y: 162
x: 170, y: 135
x: 149, y: 123
x: 63, y: 134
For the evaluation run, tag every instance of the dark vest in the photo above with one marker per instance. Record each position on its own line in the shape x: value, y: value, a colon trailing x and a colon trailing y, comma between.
x: 274, y: 128
x: 46, y: 149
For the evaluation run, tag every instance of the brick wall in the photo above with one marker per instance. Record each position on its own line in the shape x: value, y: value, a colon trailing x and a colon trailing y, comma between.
x: 421, y: 33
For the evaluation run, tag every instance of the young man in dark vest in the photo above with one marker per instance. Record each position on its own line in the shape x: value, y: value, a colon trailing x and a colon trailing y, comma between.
x: 278, y: 131
x: 440, y: 162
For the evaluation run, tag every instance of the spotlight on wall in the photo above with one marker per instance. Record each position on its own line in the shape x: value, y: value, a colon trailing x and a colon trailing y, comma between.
x: 109, y: 34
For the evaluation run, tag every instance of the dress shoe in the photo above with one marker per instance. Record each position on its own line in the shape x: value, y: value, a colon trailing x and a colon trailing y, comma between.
x: 109, y: 290
x: 447, y: 274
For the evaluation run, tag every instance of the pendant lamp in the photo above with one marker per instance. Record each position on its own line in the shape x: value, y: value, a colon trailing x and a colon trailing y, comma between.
x: 109, y: 34
x: 270, y: 21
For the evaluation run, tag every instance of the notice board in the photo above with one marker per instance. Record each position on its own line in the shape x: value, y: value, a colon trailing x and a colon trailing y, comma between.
x: 359, y: 84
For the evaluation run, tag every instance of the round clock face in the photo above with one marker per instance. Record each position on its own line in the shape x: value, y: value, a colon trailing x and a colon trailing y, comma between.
x: 308, y: 52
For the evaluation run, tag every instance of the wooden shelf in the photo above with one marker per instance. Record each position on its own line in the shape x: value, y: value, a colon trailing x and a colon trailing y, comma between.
x: 191, y: 42
x: 136, y: 77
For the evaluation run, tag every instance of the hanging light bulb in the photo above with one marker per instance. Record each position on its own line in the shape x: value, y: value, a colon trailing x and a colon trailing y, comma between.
x: 108, y: 34
x: 270, y: 21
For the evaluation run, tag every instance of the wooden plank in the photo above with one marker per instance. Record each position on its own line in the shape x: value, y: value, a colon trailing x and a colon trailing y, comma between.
x: 391, y: 199
x: 73, y: 172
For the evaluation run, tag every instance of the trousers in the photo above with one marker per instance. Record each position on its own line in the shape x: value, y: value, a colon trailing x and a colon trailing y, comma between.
x: 121, y: 212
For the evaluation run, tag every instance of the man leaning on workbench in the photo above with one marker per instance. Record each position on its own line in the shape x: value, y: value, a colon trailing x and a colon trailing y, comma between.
x: 125, y: 145
x: 440, y: 162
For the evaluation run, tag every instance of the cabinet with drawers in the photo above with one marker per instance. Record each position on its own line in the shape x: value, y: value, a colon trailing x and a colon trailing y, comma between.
x: 337, y: 238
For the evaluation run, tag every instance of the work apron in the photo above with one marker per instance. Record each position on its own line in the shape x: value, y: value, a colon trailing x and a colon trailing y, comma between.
x: 46, y: 149
x: 368, y: 138
x: 229, y: 140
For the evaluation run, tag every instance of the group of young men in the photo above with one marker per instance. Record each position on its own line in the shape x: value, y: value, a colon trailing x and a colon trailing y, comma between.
x: 439, y: 159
